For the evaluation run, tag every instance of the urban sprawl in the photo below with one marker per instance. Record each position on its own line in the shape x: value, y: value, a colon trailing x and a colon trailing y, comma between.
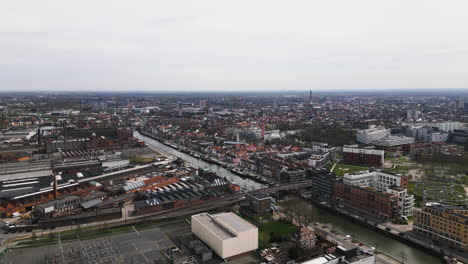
x: 210, y: 178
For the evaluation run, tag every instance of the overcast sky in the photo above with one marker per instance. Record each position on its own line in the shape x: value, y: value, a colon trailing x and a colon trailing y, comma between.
x: 233, y: 45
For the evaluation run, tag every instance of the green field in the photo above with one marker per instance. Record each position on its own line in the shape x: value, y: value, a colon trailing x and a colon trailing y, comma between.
x: 342, y: 169
x: 276, y: 229
x: 401, y: 169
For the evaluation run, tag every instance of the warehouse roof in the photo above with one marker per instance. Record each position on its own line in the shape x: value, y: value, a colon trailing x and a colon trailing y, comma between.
x: 224, y: 225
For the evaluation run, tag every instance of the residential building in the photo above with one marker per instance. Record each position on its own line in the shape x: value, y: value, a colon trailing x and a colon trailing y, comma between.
x: 319, y: 160
x: 405, y: 201
x: 292, y: 175
x: 412, y: 114
x: 461, y: 103
x: 342, y: 254
x: 377, y: 179
x: 306, y: 237
x: 446, y: 126
x: 323, y: 183
x: 360, y: 156
x: 444, y: 223
x: 258, y: 203
x: 377, y: 203
x: 394, y: 184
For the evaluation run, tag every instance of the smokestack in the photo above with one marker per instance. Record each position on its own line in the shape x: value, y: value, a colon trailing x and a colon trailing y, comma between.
x: 55, y: 186
x: 39, y: 136
x: 310, y: 97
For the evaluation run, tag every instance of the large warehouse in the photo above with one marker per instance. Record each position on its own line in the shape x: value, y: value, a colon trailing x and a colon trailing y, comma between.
x: 226, y: 233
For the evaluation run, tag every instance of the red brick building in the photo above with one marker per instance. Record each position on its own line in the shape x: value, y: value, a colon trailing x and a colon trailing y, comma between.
x: 369, y: 200
x: 369, y: 157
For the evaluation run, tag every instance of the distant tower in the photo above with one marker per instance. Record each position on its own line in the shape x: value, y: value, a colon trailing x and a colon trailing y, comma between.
x: 412, y: 114
x: 202, y: 104
x: 461, y: 103
x: 310, y: 97
x: 275, y: 104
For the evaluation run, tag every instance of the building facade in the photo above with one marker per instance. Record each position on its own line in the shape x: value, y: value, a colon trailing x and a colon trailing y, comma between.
x: 392, y: 184
x: 225, y: 233
x: 377, y: 203
x: 369, y: 157
x: 377, y: 179
x: 323, y: 183
x: 444, y: 223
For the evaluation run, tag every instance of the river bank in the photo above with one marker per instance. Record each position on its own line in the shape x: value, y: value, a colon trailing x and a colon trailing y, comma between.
x: 212, y: 160
x: 406, y: 237
x: 389, y: 245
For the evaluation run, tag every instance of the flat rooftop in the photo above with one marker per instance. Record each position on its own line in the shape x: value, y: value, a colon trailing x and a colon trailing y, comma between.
x: 224, y: 225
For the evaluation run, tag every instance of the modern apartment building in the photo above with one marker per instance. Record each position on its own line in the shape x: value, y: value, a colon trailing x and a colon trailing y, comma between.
x: 444, y: 223
x: 405, y: 201
x: 377, y: 203
x: 386, y: 182
x: 323, y: 183
x: 377, y: 179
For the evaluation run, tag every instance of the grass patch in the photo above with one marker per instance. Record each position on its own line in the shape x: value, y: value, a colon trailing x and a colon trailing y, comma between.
x: 274, y: 231
x: 401, y: 169
x: 341, y: 169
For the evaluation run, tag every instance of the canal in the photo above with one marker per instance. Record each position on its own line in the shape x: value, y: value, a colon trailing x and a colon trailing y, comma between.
x: 376, y: 239
x: 381, y: 242
x: 198, y: 163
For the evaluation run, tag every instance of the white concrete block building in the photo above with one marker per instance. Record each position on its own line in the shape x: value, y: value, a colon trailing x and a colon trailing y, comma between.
x: 225, y: 233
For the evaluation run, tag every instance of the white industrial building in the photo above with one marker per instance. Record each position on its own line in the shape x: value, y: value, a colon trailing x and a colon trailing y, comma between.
x: 381, y: 137
x: 392, y: 141
x: 225, y: 233
x: 367, y: 136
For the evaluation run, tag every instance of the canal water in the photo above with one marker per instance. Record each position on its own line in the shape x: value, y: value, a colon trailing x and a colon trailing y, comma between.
x: 381, y: 242
x: 198, y: 163
x: 376, y: 239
